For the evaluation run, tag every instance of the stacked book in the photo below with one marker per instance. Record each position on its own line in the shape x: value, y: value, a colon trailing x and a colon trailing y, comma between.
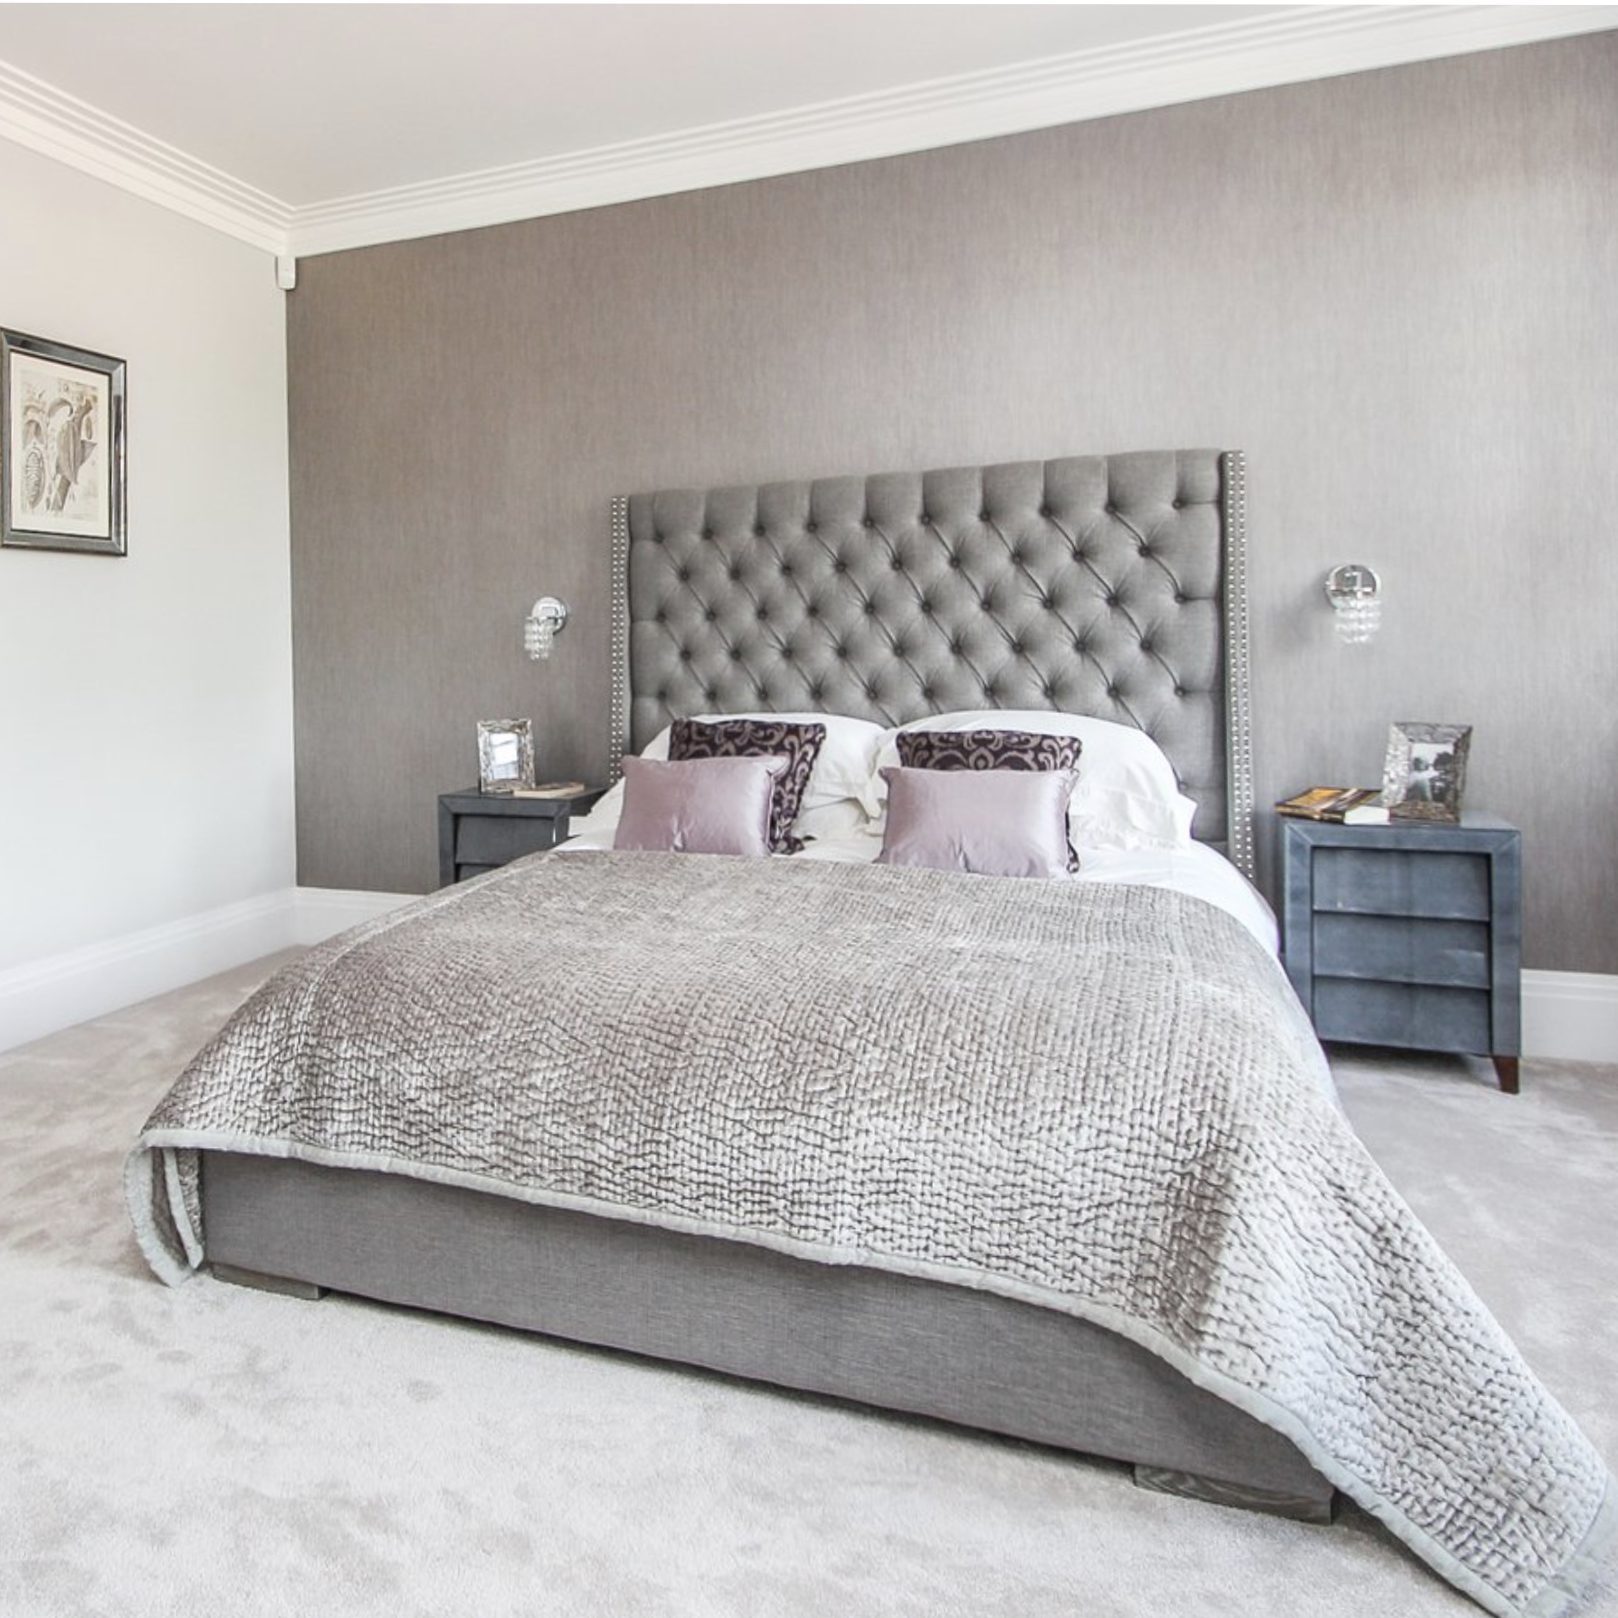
x: 1354, y: 806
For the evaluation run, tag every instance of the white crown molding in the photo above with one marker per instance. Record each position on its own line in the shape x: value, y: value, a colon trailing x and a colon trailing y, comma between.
x: 48, y: 120
x: 1308, y: 42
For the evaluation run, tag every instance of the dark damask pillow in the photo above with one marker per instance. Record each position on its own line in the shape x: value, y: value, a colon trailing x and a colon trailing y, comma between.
x: 990, y: 750
x: 799, y: 745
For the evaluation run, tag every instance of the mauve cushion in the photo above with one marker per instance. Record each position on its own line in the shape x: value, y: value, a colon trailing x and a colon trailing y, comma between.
x: 798, y: 744
x: 991, y: 822
x: 698, y: 806
x: 990, y: 750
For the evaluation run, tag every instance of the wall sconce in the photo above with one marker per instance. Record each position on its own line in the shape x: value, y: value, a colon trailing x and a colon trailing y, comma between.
x: 543, y: 624
x: 1355, y: 593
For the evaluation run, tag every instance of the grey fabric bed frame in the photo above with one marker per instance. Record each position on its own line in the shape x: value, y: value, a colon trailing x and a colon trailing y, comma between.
x: 1111, y: 586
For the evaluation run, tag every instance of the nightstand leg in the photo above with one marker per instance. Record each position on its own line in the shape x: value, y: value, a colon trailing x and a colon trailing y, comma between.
x: 1505, y: 1068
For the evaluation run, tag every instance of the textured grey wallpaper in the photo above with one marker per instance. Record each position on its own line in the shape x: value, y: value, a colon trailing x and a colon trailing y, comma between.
x: 1395, y: 291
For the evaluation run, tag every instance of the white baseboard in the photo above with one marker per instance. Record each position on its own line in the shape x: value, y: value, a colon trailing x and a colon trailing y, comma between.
x: 1570, y: 1016
x: 1567, y: 1016
x: 322, y: 913
x: 40, y: 997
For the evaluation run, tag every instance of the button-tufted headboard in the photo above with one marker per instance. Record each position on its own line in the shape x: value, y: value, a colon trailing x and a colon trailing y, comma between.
x: 1104, y: 585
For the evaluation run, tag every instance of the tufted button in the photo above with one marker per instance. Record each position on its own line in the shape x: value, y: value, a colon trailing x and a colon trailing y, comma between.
x: 926, y: 607
x: 735, y: 654
x: 1048, y: 691
x: 735, y: 575
x: 926, y: 519
x: 685, y: 654
x: 811, y: 611
x: 1145, y: 547
x: 956, y: 645
x: 811, y: 527
x: 763, y: 613
x: 1180, y: 598
x: 1081, y: 646
x: 683, y: 575
x: 1112, y: 599
x: 817, y: 690
x: 866, y: 522
x: 1017, y: 646
x: 663, y: 695
x: 711, y: 695
x: 839, y: 566
x: 841, y: 651
x: 1044, y: 511
x: 711, y: 616
x: 1110, y: 509
x: 897, y: 565
x: 1179, y: 691
x: 926, y: 693
x: 955, y: 561
x: 758, y: 530
x: 707, y: 533
x: 786, y: 570
x: 1048, y: 601
x: 983, y: 516
x: 1113, y: 693
x: 1018, y: 555
x: 901, y: 648
x: 1146, y: 646
x: 1178, y: 503
x: 870, y: 609
x: 660, y: 616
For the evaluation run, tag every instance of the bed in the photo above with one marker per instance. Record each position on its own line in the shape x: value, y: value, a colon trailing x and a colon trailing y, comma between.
x: 1105, y: 586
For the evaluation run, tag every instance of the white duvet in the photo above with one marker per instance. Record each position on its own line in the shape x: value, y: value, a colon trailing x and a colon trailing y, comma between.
x: 1193, y: 868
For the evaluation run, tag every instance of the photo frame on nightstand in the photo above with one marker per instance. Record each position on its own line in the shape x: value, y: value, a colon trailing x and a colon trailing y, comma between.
x: 505, y: 756
x: 1424, y: 774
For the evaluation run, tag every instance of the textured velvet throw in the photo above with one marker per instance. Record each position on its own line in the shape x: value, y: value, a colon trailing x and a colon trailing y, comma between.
x: 1095, y: 1098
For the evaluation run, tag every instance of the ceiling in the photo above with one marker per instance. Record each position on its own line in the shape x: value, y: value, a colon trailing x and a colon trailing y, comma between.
x: 308, y: 127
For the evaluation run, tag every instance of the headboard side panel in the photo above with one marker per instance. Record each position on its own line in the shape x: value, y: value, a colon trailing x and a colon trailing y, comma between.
x: 1091, y: 584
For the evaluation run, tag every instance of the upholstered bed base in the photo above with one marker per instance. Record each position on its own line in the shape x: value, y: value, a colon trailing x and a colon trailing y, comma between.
x: 915, y: 1346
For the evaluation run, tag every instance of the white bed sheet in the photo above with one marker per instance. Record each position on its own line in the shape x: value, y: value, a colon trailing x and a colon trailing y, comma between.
x: 1195, y: 869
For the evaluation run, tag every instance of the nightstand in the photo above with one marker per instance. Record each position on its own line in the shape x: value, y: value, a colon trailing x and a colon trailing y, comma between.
x: 478, y: 831
x: 1408, y: 934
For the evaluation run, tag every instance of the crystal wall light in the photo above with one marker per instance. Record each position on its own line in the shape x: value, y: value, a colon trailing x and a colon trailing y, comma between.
x: 1355, y: 593
x: 544, y: 623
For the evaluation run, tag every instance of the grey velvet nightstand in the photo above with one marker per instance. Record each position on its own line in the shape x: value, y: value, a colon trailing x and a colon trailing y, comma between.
x: 1408, y: 934
x: 479, y: 831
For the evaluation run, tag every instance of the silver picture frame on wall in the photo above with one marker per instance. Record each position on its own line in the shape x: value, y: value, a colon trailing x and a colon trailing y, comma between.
x: 505, y: 756
x: 62, y: 418
x: 1424, y: 775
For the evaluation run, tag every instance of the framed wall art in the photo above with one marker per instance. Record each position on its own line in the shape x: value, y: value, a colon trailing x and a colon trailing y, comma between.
x: 1424, y: 777
x: 61, y: 447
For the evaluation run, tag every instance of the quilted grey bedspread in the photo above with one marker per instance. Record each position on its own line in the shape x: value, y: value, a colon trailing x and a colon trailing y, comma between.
x: 1100, y: 1099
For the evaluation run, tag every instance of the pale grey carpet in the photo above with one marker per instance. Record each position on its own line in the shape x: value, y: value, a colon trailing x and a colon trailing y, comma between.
x: 218, y: 1451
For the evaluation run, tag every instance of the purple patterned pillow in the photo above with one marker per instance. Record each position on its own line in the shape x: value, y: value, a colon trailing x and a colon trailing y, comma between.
x: 990, y: 750
x: 799, y: 745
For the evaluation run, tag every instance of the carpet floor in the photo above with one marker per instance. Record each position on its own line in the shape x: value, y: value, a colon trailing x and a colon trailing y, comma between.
x: 213, y: 1450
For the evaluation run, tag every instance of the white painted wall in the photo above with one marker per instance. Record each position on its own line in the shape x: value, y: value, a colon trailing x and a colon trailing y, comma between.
x: 146, y: 702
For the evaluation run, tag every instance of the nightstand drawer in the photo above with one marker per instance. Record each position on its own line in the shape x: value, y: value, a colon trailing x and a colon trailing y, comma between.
x: 495, y: 840
x: 1401, y: 882
x: 1402, y: 949
x: 1416, y: 1016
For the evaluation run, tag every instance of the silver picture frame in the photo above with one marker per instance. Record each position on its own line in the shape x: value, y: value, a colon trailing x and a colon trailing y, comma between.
x: 62, y: 422
x: 1424, y: 774
x: 505, y: 756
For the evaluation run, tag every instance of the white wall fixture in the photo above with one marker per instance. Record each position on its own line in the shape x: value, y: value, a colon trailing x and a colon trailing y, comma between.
x: 545, y: 621
x: 1355, y: 593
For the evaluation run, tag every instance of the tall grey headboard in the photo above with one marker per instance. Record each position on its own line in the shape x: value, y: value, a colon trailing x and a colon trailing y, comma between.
x: 1105, y: 585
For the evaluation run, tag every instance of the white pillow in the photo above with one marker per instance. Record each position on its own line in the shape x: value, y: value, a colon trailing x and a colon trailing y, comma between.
x: 1127, y: 796
x: 842, y: 769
